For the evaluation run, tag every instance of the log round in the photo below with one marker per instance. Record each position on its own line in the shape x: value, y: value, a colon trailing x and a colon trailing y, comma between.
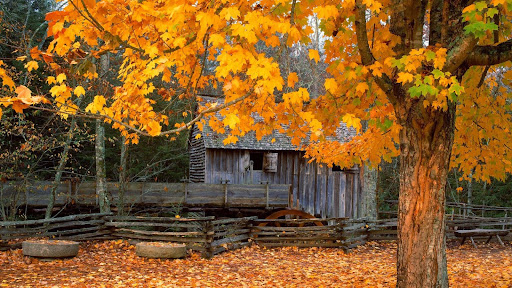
x: 50, y: 248
x: 160, y: 250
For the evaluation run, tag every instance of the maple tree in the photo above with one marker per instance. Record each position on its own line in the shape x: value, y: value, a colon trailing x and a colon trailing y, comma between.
x: 422, y: 73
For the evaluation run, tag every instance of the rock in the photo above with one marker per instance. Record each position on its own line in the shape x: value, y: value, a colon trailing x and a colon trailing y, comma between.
x: 160, y: 250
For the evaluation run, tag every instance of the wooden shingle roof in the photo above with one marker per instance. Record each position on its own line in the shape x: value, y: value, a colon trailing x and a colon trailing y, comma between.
x: 282, y: 141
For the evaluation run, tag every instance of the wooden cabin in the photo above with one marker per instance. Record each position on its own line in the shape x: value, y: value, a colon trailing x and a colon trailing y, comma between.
x: 317, y: 189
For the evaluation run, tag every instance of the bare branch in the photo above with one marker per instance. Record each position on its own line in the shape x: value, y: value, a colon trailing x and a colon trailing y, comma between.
x: 187, y: 125
x: 490, y: 55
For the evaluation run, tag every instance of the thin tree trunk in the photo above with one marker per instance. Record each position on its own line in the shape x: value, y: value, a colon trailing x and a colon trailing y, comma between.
x: 425, y: 145
x: 369, y: 186
x: 122, y: 176
x: 101, y: 173
x: 470, y: 192
x: 62, y: 164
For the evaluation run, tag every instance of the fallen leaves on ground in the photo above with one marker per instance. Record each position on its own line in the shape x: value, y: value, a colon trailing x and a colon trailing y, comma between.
x: 114, y: 264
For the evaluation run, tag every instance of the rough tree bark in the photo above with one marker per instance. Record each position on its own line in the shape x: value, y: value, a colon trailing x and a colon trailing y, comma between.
x: 122, y: 175
x: 101, y: 173
x: 427, y: 134
x: 425, y: 147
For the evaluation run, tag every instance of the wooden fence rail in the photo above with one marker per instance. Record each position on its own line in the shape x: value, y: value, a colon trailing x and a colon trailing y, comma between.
x: 386, y: 229
x: 211, y: 236
x: 162, y: 194
x: 74, y: 227
x: 456, y: 209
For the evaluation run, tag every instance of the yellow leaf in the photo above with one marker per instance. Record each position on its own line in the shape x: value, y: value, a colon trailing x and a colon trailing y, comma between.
x: 230, y: 139
x: 79, y: 90
x: 32, y: 65
x: 216, y: 40
x: 154, y: 128
x: 61, y: 77
x: 97, y: 104
x: 331, y: 85
x: 231, y: 120
x: 198, y: 136
x: 292, y: 79
x: 404, y: 77
x: 326, y: 12
x: 313, y: 55
x: 230, y: 12
x: 51, y: 80
x: 361, y: 88
x: 21, y: 58
x: 351, y: 121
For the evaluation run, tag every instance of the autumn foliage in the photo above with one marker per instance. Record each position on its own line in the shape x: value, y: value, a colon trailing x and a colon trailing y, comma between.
x: 114, y: 264
x: 427, y: 79
x: 177, y: 44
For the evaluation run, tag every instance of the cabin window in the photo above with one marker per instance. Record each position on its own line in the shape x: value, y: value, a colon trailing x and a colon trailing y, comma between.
x: 336, y: 168
x: 270, y: 162
x: 257, y: 160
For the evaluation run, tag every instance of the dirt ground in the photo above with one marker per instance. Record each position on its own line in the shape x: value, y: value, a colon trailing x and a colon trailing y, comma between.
x: 114, y: 264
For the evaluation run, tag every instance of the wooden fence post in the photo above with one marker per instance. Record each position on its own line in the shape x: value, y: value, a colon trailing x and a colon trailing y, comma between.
x: 340, y: 224
x: 209, y: 233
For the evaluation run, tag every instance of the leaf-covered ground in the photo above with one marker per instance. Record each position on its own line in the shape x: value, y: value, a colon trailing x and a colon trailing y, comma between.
x: 114, y: 264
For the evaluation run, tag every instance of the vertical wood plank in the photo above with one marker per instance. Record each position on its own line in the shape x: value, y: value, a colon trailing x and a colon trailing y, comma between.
x: 310, y: 192
x: 343, y: 193
x: 348, y: 195
x: 300, y: 183
x: 294, y: 183
x: 330, y: 194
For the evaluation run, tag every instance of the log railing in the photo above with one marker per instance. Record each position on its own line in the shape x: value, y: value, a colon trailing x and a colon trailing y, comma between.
x: 75, y: 227
x: 211, y: 236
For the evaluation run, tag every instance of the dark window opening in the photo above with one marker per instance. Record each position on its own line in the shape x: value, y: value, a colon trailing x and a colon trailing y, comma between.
x: 336, y: 168
x: 257, y: 160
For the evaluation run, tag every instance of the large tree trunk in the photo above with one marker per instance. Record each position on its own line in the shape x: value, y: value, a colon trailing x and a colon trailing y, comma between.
x: 425, y: 147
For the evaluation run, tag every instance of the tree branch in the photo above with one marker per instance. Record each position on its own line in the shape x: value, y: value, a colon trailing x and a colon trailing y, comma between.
x: 367, y: 57
x: 459, y: 53
x: 187, y: 125
x: 490, y: 55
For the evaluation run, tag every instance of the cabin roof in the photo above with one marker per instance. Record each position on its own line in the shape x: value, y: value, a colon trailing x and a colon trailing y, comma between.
x: 282, y: 142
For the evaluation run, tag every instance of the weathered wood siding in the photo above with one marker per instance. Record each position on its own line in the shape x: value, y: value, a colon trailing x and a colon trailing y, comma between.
x: 316, y: 189
x: 197, y: 153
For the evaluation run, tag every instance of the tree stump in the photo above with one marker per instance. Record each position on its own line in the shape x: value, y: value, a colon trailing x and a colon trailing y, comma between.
x: 50, y: 248
x: 160, y: 250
